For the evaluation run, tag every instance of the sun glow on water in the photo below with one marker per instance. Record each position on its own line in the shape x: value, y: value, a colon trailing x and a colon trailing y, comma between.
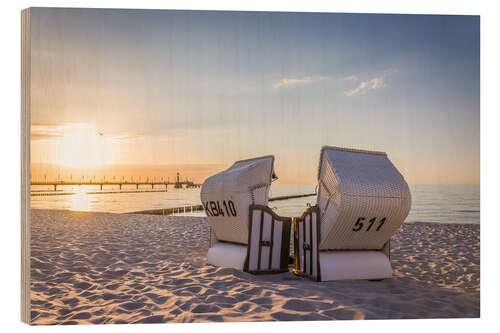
x: 80, y: 201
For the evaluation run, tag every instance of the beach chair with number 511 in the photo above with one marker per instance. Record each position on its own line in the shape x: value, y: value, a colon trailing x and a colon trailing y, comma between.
x: 245, y: 233
x: 362, y: 201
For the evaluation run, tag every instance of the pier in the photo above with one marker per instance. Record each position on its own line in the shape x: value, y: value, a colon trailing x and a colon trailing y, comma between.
x: 101, y: 183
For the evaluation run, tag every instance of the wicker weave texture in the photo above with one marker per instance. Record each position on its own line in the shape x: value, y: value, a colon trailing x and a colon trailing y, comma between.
x: 213, y: 239
x: 362, y: 197
x: 228, y: 194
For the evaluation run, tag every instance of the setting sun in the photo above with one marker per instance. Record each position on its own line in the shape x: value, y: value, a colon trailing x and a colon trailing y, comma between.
x: 82, y: 146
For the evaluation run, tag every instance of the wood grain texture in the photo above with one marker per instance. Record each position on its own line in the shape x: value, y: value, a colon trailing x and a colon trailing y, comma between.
x: 25, y: 163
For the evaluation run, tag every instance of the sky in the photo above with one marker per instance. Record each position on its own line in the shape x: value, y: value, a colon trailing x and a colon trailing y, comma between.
x: 122, y: 92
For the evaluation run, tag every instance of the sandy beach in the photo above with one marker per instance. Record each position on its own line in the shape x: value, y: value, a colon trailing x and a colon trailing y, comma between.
x: 101, y: 268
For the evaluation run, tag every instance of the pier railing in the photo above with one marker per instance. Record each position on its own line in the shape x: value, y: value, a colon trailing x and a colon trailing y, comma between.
x: 55, y: 184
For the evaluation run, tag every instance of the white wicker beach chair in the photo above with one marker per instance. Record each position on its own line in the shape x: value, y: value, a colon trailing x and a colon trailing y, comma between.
x: 245, y: 233
x: 362, y: 201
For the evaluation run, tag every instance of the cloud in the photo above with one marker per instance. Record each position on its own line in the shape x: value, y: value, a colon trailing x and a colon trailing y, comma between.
x: 55, y: 131
x: 46, y: 131
x: 364, y: 86
x: 351, y: 78
x: 127, y: 137
x: 286, y: 82
x: 371, y: 84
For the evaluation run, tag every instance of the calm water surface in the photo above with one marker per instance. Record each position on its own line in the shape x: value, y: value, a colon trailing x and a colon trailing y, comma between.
x: 430, y: 203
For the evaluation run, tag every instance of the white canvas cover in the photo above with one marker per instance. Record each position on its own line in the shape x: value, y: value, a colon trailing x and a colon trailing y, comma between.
x: 362, y: 197
x: 227, y: 196
x: 227, y: 255
x: 351, y: 265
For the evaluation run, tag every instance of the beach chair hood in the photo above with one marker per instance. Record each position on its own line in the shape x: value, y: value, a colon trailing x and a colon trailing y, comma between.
x: 362, y: 198
x: 227, y: 195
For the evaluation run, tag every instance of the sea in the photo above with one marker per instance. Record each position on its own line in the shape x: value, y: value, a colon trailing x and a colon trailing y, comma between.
x: 430, y: 203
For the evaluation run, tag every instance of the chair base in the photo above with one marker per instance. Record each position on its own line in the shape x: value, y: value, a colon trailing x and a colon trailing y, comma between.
x: 354, y: 265
x: 227, y: 255
x: 351, y: 265
x: 234, y: 256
